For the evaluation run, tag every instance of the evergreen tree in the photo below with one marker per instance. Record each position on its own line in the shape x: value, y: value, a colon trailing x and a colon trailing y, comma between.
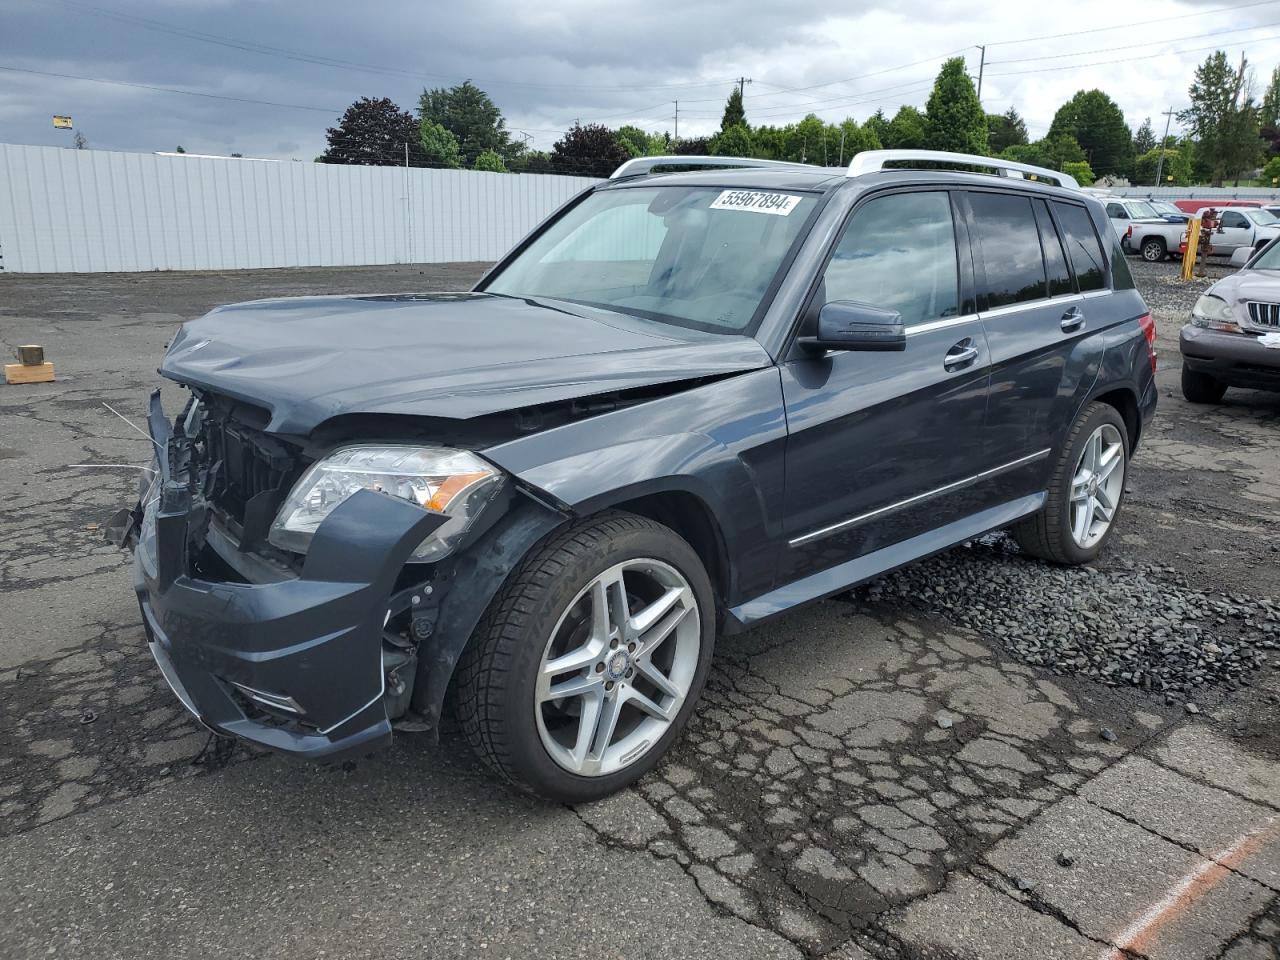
x: 491, y: 162
x: 1144, y: 140
x: 1005, y: 130
x: 589, y: 151
x: 472, y: 117
x: 1270, y: 114
x: 1223, y: 119
x: 734, y: 113
x: 953, y: 116
x: 734, y: 141
x: 1093, y: 120
x: 906, y: 130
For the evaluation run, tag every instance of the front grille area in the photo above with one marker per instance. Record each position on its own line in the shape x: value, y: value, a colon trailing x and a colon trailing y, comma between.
x: 1264, y: 314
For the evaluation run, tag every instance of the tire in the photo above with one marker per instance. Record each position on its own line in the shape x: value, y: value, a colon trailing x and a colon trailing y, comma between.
x: 546, y: 614
x: 1154, y: 249
x: 1049, y: 534
x: 1201, y: 387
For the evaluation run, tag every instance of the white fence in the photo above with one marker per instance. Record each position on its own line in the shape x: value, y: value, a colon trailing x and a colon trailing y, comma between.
x: 83, y: 211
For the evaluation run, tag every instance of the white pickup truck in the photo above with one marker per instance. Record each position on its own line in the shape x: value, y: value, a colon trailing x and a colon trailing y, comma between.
x: 1239, y: 228
x: 1142, y: 230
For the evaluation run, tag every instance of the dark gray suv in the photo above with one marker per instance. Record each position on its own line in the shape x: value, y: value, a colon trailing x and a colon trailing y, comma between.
x: 688, y: 402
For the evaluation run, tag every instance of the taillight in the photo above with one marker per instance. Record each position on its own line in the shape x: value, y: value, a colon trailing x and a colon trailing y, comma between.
x: 1129, y: 233
x: 1148, y: 326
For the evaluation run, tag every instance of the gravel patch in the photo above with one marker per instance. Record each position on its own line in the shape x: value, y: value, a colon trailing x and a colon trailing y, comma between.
x: 1133, y: 625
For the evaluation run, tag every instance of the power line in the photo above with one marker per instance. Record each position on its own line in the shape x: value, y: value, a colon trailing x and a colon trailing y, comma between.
x: 1148, y: 43
x: 1138, y: 23
x: 1099, y: 63
x: 189, y: 93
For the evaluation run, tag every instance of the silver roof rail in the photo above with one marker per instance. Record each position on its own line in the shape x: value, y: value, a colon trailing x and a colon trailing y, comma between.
x: 870, y: 161
x: 642, y: 165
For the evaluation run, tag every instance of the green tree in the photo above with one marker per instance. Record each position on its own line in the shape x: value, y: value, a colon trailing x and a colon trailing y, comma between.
x: 1175, y: 166
x: 589, y: 151
x: 472, y: 117
x: 1032, y: 153
x: 855, y: 139
x: 179, y: 149
x: 374, y: 133
x: 491, y: 161
x: 1271, y: 173
x: 533, y: 161
x: 1052, y: 152
x: 734, y: 113
x: 906, y: 130
x: 1222, y: 118
x: 1081, y: 171
x: 1144, y: 139
x: 1093, y: 120
x: 692, y: 147
x: 1005, y: 130
x: 439, y: 146
x: 953, y: 116
x: 877, y: 125
x: 639, y: 143
x: 732, y: 142
x: 1269, y: 118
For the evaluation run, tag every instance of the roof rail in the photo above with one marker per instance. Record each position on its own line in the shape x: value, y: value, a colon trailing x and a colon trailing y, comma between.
x: 870, y: 161
x: 643, y: 165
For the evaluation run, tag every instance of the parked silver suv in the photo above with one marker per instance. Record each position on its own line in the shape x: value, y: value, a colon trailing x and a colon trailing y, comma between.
x: 1233, y: 339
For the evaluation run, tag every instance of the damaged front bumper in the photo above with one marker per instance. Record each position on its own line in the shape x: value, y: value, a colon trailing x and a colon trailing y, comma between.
x: 295, y: 665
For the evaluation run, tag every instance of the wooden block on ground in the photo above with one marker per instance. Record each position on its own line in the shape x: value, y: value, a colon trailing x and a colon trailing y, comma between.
x: 28, y: 373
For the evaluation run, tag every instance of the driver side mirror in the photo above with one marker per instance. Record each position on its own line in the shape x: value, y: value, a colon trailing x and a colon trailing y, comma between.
x: 850, y: 325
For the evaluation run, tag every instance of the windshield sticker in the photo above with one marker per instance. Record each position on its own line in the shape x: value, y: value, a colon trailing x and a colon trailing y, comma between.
x: 756, y: 201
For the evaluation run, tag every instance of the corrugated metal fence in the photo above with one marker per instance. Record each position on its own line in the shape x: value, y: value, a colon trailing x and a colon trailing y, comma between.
x: 92, y: 211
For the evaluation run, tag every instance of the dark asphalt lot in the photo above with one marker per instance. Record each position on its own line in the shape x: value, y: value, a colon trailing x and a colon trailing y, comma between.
x: 884, y: 775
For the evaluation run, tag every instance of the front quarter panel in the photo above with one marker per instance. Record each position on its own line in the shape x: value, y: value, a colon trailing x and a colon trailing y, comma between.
x: 722, y: 442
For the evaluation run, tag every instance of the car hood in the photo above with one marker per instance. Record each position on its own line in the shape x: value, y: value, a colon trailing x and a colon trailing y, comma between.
x: 308, y: 359
x: 1262, y: 285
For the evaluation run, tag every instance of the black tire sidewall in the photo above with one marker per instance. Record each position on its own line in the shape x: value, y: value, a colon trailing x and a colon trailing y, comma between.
x: 1155, y: 244
x: 1094, y: 417
x: 1201, y: 387
x: 529, y: 758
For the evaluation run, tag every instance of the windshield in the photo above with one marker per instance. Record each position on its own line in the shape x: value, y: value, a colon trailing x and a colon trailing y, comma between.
x: 693, y: 256
x: 1141, y: 210
x: 1261, y: 217
x: 1269, y: 259
x: 1165, y: 209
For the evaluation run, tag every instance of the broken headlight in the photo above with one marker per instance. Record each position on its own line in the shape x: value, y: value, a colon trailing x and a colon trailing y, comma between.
x: 452, y: 482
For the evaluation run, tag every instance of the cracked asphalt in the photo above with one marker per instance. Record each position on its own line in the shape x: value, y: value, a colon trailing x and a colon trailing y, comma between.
x: 877, y: 776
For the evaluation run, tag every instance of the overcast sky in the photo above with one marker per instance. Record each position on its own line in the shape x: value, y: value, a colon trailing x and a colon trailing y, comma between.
x: 549, y: 63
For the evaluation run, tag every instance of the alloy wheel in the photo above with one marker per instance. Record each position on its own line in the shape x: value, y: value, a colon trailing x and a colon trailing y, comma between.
x: 617, y: 668
x: 1096, y: 486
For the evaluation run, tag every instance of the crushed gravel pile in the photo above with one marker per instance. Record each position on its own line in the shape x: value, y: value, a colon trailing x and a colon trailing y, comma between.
x: 1131, y: 625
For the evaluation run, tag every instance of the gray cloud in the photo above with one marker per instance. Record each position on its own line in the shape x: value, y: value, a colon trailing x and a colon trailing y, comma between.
x: 551, y: 63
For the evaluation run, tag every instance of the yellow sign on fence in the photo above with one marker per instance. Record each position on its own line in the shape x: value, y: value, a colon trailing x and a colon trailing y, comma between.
x: 62, y: 123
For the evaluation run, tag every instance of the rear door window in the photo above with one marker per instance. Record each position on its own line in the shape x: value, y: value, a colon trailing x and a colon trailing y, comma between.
x: 1055, y: 260
x: 1083, y: 249
x: 1009, y: 242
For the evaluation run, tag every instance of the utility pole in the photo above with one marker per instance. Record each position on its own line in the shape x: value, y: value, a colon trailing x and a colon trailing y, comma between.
x: 982, y: 63
x: 676, y: 138
x: 1168, y: 117
x: 843, y: 133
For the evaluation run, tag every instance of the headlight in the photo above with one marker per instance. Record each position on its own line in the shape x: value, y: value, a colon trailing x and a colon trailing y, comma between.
x: 1213, y: 313
x: 452, y: 482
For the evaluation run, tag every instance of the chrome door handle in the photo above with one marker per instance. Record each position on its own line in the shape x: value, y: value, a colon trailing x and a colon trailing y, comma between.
x: 959, y: 356
x: 1073, y: 319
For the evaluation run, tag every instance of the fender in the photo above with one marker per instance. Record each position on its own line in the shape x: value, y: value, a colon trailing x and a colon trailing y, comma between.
x: 722, y: 442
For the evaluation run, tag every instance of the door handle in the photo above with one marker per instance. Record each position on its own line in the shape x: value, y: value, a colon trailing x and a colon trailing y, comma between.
x: 1073, y: 319
x: 960, y: 356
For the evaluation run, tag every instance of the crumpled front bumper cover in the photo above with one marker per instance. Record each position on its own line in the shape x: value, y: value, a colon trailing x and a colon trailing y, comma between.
x: 1236, y: 359
x: 314, y: 642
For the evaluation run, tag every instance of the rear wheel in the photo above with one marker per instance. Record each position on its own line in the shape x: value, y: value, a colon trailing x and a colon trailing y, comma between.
x: 1154, y: 249
x: 589, y: 661
x: 1201, y: 387
x: 1085, y: 491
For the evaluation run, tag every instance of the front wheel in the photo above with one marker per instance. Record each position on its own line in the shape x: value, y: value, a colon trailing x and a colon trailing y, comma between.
x: 1201, y: 387
x: 1154, y: 250
x: 589, y: 660
x: 1085, y: 492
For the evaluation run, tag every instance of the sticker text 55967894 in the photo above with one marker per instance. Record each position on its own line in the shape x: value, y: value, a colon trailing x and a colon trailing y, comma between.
x: 756, y: 201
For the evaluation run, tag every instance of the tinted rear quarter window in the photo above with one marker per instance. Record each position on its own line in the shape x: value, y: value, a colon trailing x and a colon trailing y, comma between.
x: 1121, y: 276
x: 1055, y: 260
x: 1009, y: 242
x: 1083, y: 248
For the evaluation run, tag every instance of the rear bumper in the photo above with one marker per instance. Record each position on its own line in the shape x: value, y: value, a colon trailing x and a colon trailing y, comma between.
x: 1235, y: 359
x: 294, y: 666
